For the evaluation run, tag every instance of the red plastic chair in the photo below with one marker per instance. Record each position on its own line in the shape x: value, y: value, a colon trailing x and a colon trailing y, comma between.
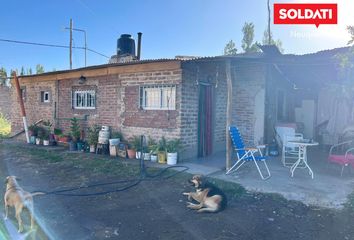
x: 343, y: 159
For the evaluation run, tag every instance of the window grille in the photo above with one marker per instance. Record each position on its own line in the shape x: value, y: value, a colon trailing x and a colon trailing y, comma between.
x: 159, y: 97
x: 84, y: 99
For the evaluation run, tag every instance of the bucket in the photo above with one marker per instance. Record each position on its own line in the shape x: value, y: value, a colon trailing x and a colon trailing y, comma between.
x: 161, y: 157
x: 103, y: 135
x: 153, y: 158
x: 114, y: 141
x: 171, y: 158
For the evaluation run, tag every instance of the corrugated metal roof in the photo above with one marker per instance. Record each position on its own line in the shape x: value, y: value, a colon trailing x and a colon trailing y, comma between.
x: 324, y: 56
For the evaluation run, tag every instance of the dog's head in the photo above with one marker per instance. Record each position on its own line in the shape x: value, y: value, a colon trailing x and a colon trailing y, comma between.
x: 11, y: 180
x: 197, y: 181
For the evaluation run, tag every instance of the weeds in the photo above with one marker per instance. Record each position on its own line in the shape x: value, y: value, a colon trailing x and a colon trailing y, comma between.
x: 5, y: 126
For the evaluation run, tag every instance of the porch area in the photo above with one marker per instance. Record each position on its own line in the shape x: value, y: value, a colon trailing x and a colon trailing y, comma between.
x: 327, y: 189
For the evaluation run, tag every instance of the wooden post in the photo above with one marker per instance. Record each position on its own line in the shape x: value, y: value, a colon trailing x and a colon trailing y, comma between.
x: 228, y: 113
x: 22, y: 106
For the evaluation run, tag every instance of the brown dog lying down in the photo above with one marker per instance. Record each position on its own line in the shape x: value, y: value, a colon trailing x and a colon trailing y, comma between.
x: 209, y: 197
x: 16, y: 197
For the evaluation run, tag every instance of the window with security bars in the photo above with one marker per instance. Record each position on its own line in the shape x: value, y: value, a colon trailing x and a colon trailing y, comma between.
x: 84, y: 99
x: 159, y: 97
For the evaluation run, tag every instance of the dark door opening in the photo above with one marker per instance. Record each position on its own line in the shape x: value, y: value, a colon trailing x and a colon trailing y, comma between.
x: 205, y: 130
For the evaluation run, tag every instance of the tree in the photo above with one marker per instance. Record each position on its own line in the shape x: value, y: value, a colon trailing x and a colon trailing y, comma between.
x: 39, y: 69
x: 22, y: 71
x: 351, y: 32
x: 230, y: 48
x: 29, y: 71
x: 272, y: 41
x: 346, y: 60
x: 3, y: 76
x: 247, y: 40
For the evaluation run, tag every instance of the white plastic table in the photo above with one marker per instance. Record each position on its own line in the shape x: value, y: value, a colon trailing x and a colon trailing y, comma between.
x: 302, y: 157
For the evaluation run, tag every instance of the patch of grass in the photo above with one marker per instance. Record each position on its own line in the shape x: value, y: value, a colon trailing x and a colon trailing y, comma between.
x: 5, y: 126
x: 41, y: 154
x: 233, y: 190
x: 349, y: 205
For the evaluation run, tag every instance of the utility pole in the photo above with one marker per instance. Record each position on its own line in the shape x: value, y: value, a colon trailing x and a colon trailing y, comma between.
x: 71, y: 44
x: 83, y: 31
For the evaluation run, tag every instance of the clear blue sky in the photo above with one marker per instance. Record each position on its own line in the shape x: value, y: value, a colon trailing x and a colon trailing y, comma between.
x: 170, y: 27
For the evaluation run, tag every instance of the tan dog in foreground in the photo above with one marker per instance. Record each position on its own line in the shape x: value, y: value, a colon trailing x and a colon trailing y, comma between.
x: 16, y: 197
x: 209, y: 198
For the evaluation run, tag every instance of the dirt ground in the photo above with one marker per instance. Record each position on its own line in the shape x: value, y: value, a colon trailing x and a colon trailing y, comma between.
x: 153, y: 209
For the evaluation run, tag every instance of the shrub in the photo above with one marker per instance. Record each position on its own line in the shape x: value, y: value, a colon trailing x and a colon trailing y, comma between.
x: 5, y: 126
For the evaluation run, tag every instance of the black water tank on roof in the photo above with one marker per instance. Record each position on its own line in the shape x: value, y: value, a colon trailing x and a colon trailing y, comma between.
x: 125, y: 45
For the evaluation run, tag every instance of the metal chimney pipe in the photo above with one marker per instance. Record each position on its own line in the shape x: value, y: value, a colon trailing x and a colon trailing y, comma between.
x: 139, y: 45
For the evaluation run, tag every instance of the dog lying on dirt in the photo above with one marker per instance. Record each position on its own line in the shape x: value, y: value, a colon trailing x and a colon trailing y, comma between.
x: 209, y: 197
x: 16, y: 197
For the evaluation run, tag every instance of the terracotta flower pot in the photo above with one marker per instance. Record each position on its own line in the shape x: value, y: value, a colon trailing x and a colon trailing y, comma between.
x: 131, y: 153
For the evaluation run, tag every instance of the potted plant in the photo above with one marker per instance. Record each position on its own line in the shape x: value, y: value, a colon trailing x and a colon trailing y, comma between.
x: 172, y: 148
x: 45, y: 137
x: 57, y: 134
x: 136, y: 145
x: 33, y: 132
x: 131, y: 152
x: 46, y: 132
x: 153, y: 149
x: 40, y: 135
x: 93, y: 137
x: 161, y: 150
x: 74, y: 133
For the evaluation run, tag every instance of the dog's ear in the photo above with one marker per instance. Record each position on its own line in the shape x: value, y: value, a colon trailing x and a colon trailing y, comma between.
x: 6, y: 180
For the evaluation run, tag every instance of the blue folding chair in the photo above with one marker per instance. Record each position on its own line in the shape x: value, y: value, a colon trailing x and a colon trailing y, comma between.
x: 246, y: 154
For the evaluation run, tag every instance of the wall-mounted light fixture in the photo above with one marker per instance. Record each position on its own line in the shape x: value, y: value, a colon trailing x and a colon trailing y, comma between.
x: 82, y: 79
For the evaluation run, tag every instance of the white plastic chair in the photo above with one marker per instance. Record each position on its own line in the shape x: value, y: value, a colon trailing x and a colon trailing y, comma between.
x: 290, y: 152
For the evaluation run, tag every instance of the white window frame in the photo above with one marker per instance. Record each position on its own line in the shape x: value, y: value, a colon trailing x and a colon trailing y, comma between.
x: 43, y: 97
x: 162, y: 97
x: 84, y: 99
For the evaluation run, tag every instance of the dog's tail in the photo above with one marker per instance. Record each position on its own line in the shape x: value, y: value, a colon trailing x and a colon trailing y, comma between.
x: 37, y: 193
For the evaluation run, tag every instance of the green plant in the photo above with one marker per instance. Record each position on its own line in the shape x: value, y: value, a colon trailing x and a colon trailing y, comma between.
x: 58, y: 131
x: 152, y: 146
x: 46, y: 129
x: 161, y: 147
x: 117, y: 134
x: 173, y: 145
x: 5, y: 126
x: 45, y: 134
x: 41, y: 132
x: 33, y: 129
x: 136, y: 143
x: 93, y: 135
x: 75, y: 131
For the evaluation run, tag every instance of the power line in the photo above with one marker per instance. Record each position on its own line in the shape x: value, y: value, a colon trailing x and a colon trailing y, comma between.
x: 50, y: 45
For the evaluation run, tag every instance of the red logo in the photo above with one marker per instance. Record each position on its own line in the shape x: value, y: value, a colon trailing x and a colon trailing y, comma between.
x: 296, y: 13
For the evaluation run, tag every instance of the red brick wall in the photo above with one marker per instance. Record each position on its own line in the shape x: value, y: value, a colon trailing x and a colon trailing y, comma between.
x: 117, y: 103
x: 35, y: 109
x: 154, y: 123
x: 248, y: 80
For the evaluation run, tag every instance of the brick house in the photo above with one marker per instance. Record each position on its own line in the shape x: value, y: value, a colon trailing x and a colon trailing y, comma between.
x: 183, y: 99
x: 173, y: 98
